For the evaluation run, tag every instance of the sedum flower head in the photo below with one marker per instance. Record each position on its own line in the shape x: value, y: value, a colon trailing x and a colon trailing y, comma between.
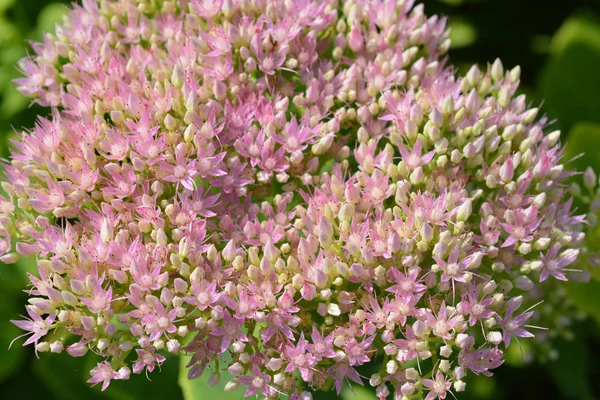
x: 286, y: 190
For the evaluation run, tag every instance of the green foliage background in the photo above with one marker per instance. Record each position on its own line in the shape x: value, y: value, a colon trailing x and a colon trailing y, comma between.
x: 557, y: 44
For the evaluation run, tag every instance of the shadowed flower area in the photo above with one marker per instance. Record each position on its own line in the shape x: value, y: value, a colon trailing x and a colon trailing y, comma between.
x: 306, y: 199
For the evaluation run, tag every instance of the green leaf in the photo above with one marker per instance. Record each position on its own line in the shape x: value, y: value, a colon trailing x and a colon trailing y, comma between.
x: 160, y: 384
x: 570, y: 370
x: 481, y: 387
x: 5, y: 5
x: 64, y: 376
x: 462, y: 33
x: 13, y: 280
x: 579, y: 27
x: 570, y: 83
x: 584, y: 142
x: 199, y: 389
x: 586, y: 296
x: 9, y: 32
x: 50, y: 15
x: 9, y: 309
x: 358, y: 393
x: 514, y: 353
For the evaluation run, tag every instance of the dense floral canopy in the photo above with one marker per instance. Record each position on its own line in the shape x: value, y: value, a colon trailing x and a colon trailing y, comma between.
x: 284, y: 189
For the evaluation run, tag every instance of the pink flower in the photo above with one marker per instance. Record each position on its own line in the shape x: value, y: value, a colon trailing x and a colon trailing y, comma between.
x: 438, y: 387
x: 357, y: 352
x: 513, y: 326
x: 322, y: 346
x: 407, y: 348
x: 36, y: 326
x: 257, y: 382
x: 554, y: 264
x: 342, y: 371
x: 183, y: 171
x: 442, y: 324
x: 480, y: 361
x: 474, y: 307
x: 100, y: 299
x: 453, y: 269
x: 414, y: 158
x: 299, y: 358
x: 526, y: 221
x: 406, y: 284
x: 159, y: 321
x: 204, y: 294
x: 230, y: 330
x: 102, y: 372
x: 147, y: 359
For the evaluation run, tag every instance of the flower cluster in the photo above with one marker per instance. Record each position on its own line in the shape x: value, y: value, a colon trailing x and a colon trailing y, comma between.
x: 285, y: 190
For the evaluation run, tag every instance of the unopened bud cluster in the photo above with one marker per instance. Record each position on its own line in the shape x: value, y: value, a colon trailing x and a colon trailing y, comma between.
x: 285, y: 190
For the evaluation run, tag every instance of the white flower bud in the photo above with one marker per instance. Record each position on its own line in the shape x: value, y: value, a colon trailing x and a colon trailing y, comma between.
x: 56, y: 347
x: 460, y: 386
x: 497, y: 70
x: 515, y: 74
x: 445, y: 351
x: 444, y: 366
x: 464, y: 211
x: 334, y: 309
x: 411, y: 374
x: 407, y: 389
x: 391, y: 367
x: 494, y: 337
x: 42, y: 347
x: 177, y: 77
x: 463, y: 340
x: 589, y: 178
x: 231, y: 386
x: 539, y: 200
x: 375, y: 380
x: 103, y: 344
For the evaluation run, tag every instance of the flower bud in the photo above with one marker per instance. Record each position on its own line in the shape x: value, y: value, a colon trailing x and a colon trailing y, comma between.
x: 464, y: 211
x: 497, y: 70
x: 460, y: 386
x: 407, y: 389
x: 494, y: 337
x: 507, y: 170
x: 589, y: 178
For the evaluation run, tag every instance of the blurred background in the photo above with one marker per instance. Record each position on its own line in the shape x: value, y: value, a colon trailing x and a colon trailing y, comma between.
x: 557, y: 45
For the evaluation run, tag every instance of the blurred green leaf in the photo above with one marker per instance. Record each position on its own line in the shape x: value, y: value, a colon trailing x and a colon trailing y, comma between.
x: 515, y: 353
x: 481, y: 387
x: 541, y: 44
x: 65, y: 376
x: 571, y: 83
x: 8, y: 31
x: 571, y: 369
x: 357, y: 393
x: 199, y: 389
x: 9, y: 309
x: 586, y: 296
x: 462, y: 33
x: 458, y: 3
x: 50, y: 15
x: 584, y: 142
x: 5, y: 5
x: 12, y: 102
x: 13, y: 279
x: 160, y: 384
x: 9, y: 55
x: 583, y: 26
